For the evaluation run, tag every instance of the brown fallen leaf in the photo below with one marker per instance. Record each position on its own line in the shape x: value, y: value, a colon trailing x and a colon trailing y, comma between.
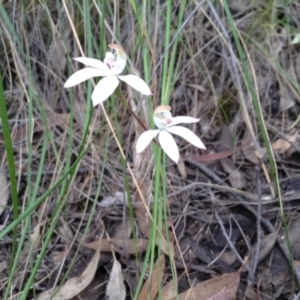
x: 211, y: 157
x: 249, y: 148
x: 282, y: 145
x: 223, y: 287
x: 122, y: 230
x: 115, y: 289
x: 236, y: 177
x: 181, y: 168
x: 152, y: 284
x: 92, y: 291
x: 74, y: 285
x: 122, y: 246
x: 168, y: 291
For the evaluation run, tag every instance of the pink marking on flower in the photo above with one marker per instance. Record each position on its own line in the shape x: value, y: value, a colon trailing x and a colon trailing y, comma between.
x: 168, y: 120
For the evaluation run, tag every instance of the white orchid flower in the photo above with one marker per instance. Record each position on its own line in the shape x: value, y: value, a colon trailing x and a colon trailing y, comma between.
x: 162, y: 118
x: 110, y: 69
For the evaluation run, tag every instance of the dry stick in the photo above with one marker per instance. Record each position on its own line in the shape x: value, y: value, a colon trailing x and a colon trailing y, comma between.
x: 227, y: 237
x: 220, y: 222
x: 263, y: 221
x: 254, y: 262
x: 123, y: 100
x: 233, y: 248
x: 206, y: 171
x: 249, y: 125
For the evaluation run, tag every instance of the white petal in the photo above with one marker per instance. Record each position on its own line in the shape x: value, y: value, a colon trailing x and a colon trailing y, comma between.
x: 160, y: 123
x: 168, y: 144
x: 187, y: 134
x: 82, y: 75
x: 183, y: 119
x: 108, y: 57
x: 94, y: 63
x: 119, y: 64
x: 137, y: 83
x: 145, y: 139
x: 105, y: 87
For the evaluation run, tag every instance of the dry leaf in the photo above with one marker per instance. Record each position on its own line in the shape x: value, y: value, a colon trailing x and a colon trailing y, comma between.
x: 249, y: 149
x: 223, y: 287
x: 92, y: 291
x: 143, y: 220
x: 250, y: 293
x: 167, y: 245
x: 118, y: 198
x: 115, y: 289
x: 74, y: 285
x: 212, y: 157
x: 123, y: 230
x: 282, y: 145
x: 122, y: 246
x: 229, y: 257
x: 267, y: 244
x: 4, y: 191
x: 296, y: 39
x: 181, y: 168
x: 153, y: 283
x: 35, y: 236
x: 168, y: 291
x: 236, y: 177
x: 33, y: 243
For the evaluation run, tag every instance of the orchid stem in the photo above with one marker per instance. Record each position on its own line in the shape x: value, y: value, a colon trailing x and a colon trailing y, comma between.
x: 120, y: 96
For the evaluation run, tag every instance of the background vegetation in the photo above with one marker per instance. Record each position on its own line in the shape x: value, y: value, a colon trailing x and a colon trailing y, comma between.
x: 75, y: 198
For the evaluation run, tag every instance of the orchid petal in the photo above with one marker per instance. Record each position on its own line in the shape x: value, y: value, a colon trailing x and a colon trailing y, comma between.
x: 168, y: 144
x: 160, y: 123
x: 119, y: 64
x: 137, y: 83
x: 108, y: 57
x: 82, y: 75
x: 105, y: 87
x: 145, y: 139
x: 94, y: 63
x: 183, y: 119
x: 186, y: 134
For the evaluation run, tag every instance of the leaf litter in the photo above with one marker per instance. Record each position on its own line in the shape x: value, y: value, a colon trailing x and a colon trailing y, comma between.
x: 115, y: 289
x: 212, y: 249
